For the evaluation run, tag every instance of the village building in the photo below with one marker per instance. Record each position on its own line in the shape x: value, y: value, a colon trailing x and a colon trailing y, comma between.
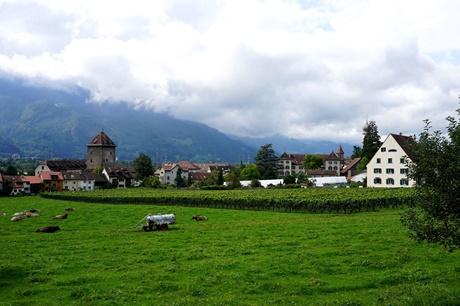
x: 388, y: 167
x: 292, y: 164
x: 101, y: 152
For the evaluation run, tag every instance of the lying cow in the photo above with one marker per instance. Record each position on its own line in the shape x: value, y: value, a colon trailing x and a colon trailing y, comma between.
x: 64, y: 216
x: 200, y: 218
x: 70, y: 209
x: 48, y: 229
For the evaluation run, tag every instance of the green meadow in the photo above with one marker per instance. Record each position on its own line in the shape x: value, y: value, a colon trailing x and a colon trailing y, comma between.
x: 237, y: 257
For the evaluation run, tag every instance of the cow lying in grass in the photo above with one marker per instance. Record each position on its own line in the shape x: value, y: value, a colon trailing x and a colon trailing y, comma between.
x: 200, y: 218
x: 64, y: 216
x: 70, y: 209
x: 48, y: 229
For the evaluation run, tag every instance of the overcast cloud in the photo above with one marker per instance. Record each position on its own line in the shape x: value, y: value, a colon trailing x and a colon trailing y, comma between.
x: 302, y: 69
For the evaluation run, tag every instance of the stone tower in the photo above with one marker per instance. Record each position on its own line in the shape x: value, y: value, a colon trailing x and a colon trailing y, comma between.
x: 100, y: 152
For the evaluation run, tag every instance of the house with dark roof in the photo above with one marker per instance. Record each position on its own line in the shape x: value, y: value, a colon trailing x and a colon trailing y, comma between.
x: 388, y: 167
x: 350, y: 169
x: 60, y: 165
x: 81, y: 180
x: 291, y: 164
x: 120, y: 177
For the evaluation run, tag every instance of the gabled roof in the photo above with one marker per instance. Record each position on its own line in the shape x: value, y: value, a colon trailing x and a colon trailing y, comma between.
x: 188, y: 166
x: 403, y: 142
x: 81, y: 176
x: 101, y: 139
x: 47, y: 176
x: 353, y: 163
x: 196, y: 176
x: 119, y: 171
x: 65, y: 165
x: 296, y: 159
x: 32, y: 179
x: 169, y: 167
x: 332, y: 156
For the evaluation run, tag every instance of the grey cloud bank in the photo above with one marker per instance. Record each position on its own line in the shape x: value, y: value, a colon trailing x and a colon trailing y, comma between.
x: 302, y: 69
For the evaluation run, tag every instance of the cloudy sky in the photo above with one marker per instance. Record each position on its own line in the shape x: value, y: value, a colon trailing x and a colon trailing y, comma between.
x: 299, y: 68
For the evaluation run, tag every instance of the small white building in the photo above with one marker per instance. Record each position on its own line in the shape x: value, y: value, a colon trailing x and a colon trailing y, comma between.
x: 388, y: 166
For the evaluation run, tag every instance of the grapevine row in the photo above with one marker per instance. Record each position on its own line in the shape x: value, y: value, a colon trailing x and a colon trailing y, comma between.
x: 293, y: 200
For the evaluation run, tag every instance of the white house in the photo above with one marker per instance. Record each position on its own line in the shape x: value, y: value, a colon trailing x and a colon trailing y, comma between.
x: 77, y: 181
x: 388, y: 167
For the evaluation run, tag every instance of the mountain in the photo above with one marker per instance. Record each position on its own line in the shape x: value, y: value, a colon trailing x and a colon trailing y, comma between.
x: 45, y: 123
x: 295, y: 146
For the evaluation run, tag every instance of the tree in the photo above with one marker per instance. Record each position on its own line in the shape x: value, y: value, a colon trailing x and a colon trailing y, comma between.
x: 371, y: 140
x: 357, y: 152
x: 266, y: 162
x: 250, y: 172
x: 143, y: 166
x: 289, y: 179
x: 11, y: 170
x: 179, y: 180
x: 232, y: 180
x: 435, y: 170
x: 220, y: 178
x: 312, y: 161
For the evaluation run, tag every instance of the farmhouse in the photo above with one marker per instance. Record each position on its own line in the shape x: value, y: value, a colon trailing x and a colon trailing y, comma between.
x: 388, y: 167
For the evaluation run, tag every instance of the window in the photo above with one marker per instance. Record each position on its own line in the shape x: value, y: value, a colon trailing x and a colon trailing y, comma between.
x: 390, y: 160
x: 377, y: 170
x: 286, y: 167
x: 390, y: 181
x: 392, y: 150
x: 404, y: 182
x: 330, y: 168
x: 378, y: 161
x: 403, y: 171
x: 377, y: 180
x: 390, y: 171
x: 335, y: 163
x: 383, y: 149
x: 335, y: 167
x: 401, y: 160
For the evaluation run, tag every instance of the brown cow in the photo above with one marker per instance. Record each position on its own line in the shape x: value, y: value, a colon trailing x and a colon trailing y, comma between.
x: 64, y: 216
x: 34, y: 210
x: 70, y: 209
x: 199, y: 218
x: 48, y: 229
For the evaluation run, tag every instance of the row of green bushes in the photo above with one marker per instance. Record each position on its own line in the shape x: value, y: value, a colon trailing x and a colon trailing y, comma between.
x: 312, y: 200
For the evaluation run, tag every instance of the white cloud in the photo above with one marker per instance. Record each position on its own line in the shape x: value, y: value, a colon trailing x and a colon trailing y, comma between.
x: 304, y: 69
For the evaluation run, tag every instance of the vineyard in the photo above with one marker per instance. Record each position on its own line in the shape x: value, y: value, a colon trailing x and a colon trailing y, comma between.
x: 314, y: 200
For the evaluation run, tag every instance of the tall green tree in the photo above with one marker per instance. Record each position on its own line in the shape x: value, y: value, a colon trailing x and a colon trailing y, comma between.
x: 436, y: 170
x: 143, y: 166
x: 312, y: 161
x: 371, y: 140
x: 266, y: 162
x: 179, y: 180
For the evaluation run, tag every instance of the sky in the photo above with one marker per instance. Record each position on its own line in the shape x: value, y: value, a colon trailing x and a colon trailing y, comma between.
x: 312, y: 70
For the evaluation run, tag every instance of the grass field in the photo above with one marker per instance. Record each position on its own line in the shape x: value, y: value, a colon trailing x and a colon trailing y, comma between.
x: 237, y: 257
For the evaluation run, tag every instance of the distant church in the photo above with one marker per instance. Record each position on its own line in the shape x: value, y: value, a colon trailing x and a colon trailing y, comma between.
x: 101, y: 152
